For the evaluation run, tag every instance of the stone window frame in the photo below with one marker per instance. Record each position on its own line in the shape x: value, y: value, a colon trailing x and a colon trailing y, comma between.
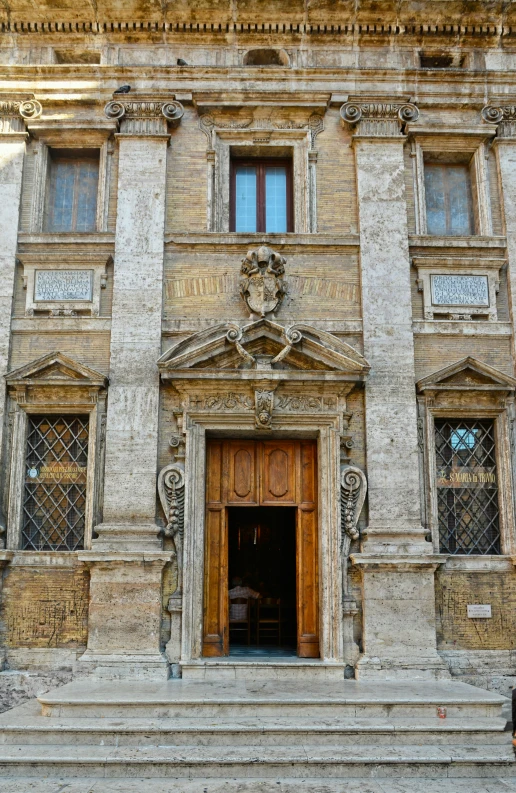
x: 289, y: 139
x: 428, y: 266
x: 95, y: 263
x: 473, y: 142
x: 74, y: 395
x: 496, y: 401
x: 52, y: 137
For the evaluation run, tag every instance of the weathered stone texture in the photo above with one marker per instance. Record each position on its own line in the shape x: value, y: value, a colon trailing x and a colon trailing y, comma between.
x: 45, y: 607
x: 455, y: 630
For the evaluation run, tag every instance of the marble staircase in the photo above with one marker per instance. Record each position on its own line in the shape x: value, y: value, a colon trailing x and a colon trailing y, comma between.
x: 275, y: 732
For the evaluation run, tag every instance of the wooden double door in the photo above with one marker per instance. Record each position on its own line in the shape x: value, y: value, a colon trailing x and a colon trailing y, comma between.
x: 270, y: 474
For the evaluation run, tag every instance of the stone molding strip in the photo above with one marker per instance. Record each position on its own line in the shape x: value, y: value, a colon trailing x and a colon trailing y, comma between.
x: 249, y: 28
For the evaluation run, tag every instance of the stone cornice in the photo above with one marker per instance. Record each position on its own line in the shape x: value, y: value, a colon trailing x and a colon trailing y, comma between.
x: 144, y: 116
x: 15, y: 113
x: 378, y: 118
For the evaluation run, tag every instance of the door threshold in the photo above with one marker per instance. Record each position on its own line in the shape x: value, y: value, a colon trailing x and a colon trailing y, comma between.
x: 264, y: 667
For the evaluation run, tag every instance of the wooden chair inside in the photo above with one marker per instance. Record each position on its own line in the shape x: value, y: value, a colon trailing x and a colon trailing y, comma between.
x: 240, y: 617
x: 268, y: 620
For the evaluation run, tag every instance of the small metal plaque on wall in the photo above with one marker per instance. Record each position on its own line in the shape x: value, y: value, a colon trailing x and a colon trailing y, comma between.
x: 479, y: 611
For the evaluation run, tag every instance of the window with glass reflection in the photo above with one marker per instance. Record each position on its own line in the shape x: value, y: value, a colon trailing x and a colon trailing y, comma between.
x: 261, y: 196
x: 71, y: 203
x: 449, y: 206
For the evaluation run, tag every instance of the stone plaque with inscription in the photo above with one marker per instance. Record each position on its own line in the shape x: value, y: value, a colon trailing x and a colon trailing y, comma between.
x: 460, y: 290
x: 67, y: 285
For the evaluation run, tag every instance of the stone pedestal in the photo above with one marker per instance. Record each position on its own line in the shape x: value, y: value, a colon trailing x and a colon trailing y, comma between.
x: 399, y: 618
x: 124, y: 616
x: 127, y: 560
x: 396, y: 563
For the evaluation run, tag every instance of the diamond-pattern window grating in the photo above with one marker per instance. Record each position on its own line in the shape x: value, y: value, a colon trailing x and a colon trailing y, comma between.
x: 55, y: 483
x: 467, y: 486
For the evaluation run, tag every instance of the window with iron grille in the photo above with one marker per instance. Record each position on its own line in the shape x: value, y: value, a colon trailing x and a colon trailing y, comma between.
x: 467, y: 486
x: 54, y: 498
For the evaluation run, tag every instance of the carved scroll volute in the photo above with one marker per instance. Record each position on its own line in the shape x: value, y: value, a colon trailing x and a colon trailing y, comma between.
x: 171, y: 489
x: 353, y: 489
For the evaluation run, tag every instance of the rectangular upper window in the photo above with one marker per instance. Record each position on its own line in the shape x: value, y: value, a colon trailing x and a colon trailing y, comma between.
x: 261, y: 195
x: 449, y: 205
x: 54, y: 498
x: 467, y: 486
x: 71, y: 202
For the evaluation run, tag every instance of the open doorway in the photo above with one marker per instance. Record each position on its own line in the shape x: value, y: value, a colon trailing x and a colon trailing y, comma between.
x: 262, y: 581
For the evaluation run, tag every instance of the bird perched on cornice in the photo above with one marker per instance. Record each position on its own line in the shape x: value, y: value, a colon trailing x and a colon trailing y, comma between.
x: 124, y: 89
x: 181, y: 62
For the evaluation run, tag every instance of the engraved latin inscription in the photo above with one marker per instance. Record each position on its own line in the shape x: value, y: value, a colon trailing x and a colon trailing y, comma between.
x: 63, y: 285
x: 460, y: 290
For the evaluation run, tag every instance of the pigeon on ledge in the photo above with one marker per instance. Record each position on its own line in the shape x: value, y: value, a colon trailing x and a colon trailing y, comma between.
x: 124, y: 89
x: 181, y: 62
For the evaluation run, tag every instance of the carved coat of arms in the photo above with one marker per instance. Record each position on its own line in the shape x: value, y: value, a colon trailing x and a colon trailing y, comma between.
x: 263, y: 287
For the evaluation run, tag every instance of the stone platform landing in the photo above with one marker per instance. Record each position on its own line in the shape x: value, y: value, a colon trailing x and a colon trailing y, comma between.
x: 257, y: 737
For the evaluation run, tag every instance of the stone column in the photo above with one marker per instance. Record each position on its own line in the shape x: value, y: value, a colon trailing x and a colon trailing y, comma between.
x: 127, y: 559
x: 13, y: 135
x: 504, y: 118
x: 396, y: 562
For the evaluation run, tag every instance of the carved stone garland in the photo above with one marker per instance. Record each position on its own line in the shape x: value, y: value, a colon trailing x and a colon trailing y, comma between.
x: 353, y: 489
x: 171, y: 489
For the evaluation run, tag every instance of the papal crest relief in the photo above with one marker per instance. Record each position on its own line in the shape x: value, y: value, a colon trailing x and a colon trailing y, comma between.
x: 263, y: 286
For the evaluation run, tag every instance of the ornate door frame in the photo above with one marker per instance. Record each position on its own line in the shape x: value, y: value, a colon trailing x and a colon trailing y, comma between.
x: 326, y: 431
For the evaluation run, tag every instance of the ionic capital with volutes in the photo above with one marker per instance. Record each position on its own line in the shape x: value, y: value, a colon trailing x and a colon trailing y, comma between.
x: 144, y: 116
x: 378, y: 118
x: 504, y: 117
x: 15, y: 113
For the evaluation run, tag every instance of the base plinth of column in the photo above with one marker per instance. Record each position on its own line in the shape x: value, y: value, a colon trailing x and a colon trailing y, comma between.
x: 124, y: 617
x: 399, y: 631
x: 125, y: 666
x: 127, y: 537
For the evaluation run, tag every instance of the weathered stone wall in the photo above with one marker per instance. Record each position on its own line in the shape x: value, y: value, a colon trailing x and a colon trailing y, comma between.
x: 44, y: 607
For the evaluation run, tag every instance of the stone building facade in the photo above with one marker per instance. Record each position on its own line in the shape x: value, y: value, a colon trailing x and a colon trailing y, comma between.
x: 163, y: 363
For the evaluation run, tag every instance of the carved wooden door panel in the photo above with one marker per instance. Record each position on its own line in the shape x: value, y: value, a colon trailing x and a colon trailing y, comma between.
x: 278, y: 482
x: 215, y: 638
x: 307, y: 552
x: 260, y: 473
x: 241, y: 473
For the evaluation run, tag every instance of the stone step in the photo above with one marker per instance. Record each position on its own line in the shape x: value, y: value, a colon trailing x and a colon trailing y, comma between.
x: 256, y: 785
x: 305, y: 670
x: 266, y: 698
x: 270, y: 762
x: 25, y: 725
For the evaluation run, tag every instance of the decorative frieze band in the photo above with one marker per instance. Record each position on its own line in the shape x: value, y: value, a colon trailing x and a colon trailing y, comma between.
x: 143, y: 117
x: 379, y: 119
x: 14, y: 114
x: 504, y: 117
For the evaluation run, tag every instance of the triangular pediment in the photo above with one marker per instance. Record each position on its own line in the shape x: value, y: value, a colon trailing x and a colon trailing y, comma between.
x: 467, y: 374
x: 56, y: 368
x: 263, y: 345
